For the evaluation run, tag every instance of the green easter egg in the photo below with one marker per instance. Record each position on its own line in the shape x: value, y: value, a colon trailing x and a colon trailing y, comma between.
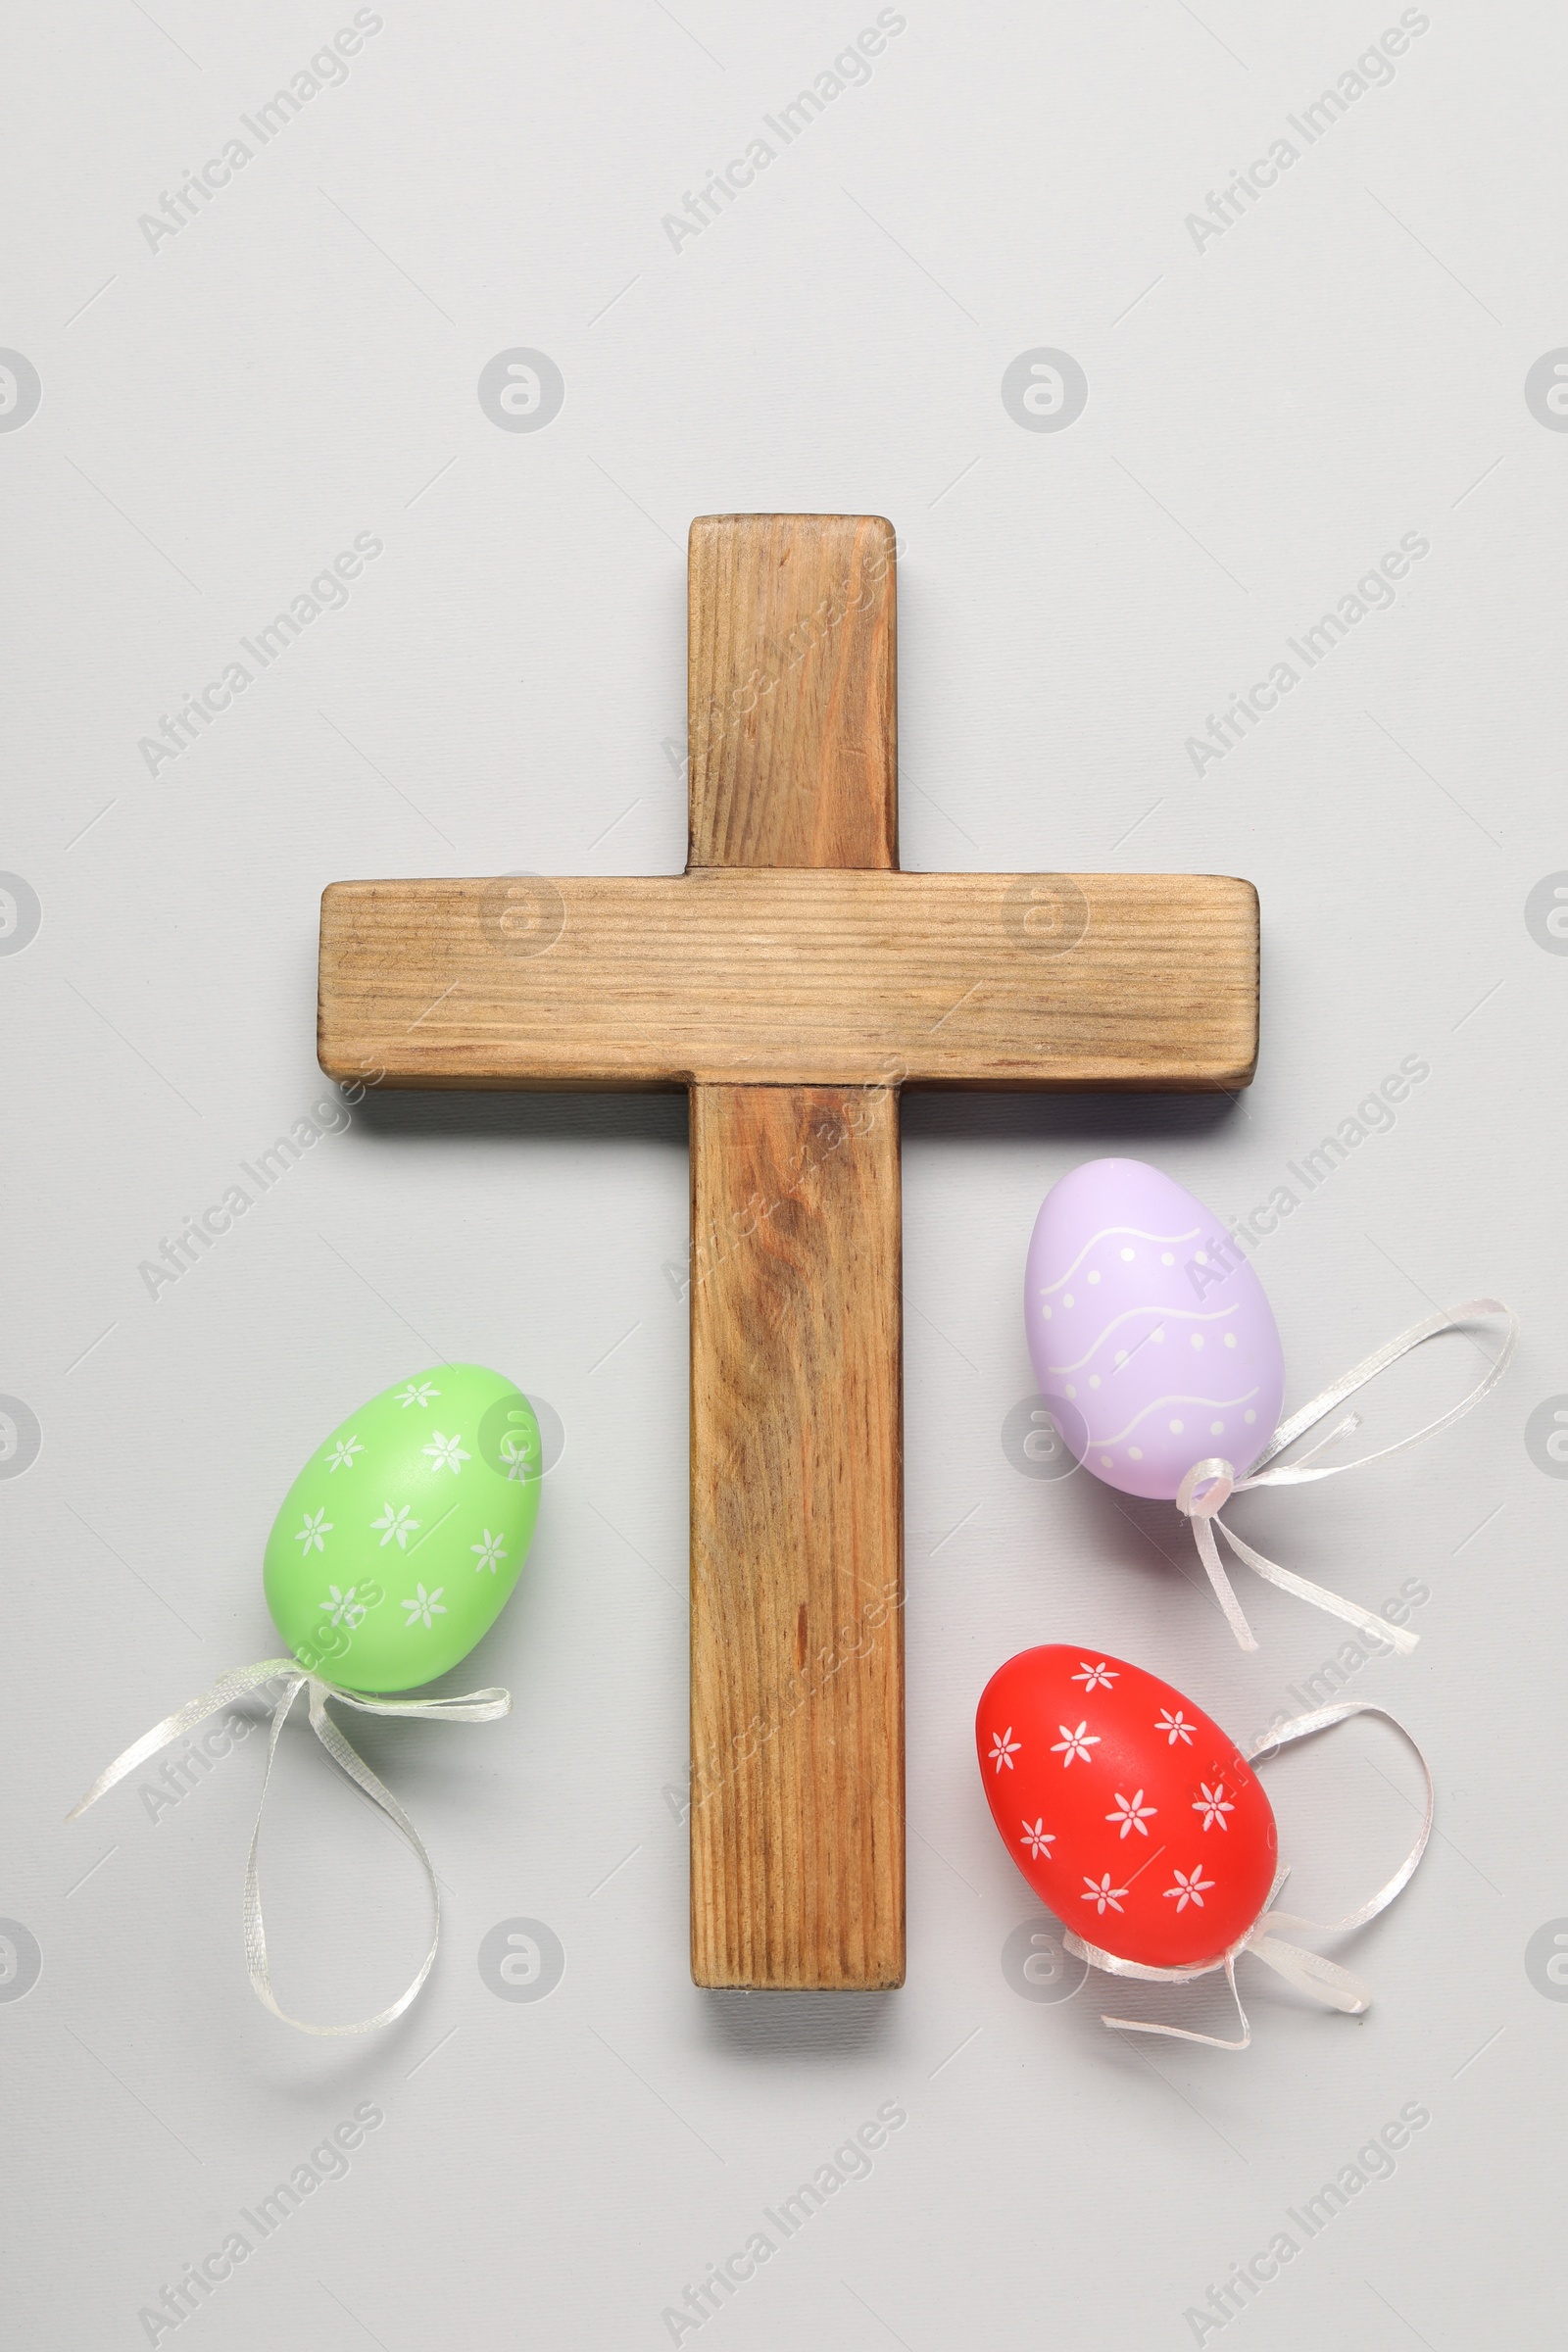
x: 401, y: 1539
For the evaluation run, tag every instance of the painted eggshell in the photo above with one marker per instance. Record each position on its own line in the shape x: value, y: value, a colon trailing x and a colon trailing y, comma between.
x: 1150, y: 1334
x: 400, y: 1540
x: 1131, y: 1815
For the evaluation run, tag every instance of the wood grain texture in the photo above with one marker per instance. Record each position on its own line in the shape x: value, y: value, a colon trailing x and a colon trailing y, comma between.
x: 791, y: 690
x: 797, y: 1539
x: 797, y: 1641
x: 797, y: 978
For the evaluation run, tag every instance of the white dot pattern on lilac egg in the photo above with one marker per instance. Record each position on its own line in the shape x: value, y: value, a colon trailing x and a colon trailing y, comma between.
x: 1149, y: 1266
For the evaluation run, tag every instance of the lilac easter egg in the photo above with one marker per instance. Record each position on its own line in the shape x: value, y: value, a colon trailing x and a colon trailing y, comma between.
x: 1151, y: 1336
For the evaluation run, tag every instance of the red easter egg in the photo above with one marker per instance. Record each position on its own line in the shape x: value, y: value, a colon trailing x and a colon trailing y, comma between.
x: 1131, y: 1815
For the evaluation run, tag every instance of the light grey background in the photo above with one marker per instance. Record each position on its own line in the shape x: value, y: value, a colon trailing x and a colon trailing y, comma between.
x: 1268, y: 413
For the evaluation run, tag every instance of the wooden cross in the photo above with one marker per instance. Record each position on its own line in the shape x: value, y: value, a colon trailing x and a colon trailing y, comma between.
x: 793, y: 980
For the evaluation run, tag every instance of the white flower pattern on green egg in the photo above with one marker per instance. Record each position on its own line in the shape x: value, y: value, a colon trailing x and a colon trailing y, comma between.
x: 452, y: 1493
x: 344, y: 1609
x: 518, y: 1456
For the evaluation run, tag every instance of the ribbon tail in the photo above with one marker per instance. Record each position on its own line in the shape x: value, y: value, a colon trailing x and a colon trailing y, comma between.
x: 353, y: 1765
x: 229, y: 1686
x: 1323, y: 1979
x: 1213, y: 2041
x: 474, y: 1706
x: 1224, y: 1592
x: 1389, y: 1636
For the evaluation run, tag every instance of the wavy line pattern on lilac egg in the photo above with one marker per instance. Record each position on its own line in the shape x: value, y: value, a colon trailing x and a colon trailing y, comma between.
x: 1151, y: 1335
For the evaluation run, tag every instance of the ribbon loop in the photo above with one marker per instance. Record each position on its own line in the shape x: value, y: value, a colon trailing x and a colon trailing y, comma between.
x: 1217, y: 1478
x: 1209, y: 1485
x: 476, y: 1706
x: 1321, y: 1979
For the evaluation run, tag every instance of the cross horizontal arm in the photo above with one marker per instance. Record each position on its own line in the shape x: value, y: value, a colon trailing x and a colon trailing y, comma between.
x: 792, y: 977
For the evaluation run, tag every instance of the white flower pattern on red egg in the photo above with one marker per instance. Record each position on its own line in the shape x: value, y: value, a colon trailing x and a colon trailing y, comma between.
x: 1214, y: 1804
x: 1076, y: 1743
x: 1171, y: 1789
x: 1003, y: 1748
x: 1093, y: 1677
x: 1132, y: 1812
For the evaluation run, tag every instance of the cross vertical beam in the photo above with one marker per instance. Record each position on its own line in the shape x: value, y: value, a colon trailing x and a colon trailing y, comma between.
x: 796, y: 1630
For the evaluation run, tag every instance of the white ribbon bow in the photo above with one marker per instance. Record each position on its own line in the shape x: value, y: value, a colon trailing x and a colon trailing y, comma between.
x: 1209, y: 1485
x: 477, y: 1706
x: 1322, y: 1980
